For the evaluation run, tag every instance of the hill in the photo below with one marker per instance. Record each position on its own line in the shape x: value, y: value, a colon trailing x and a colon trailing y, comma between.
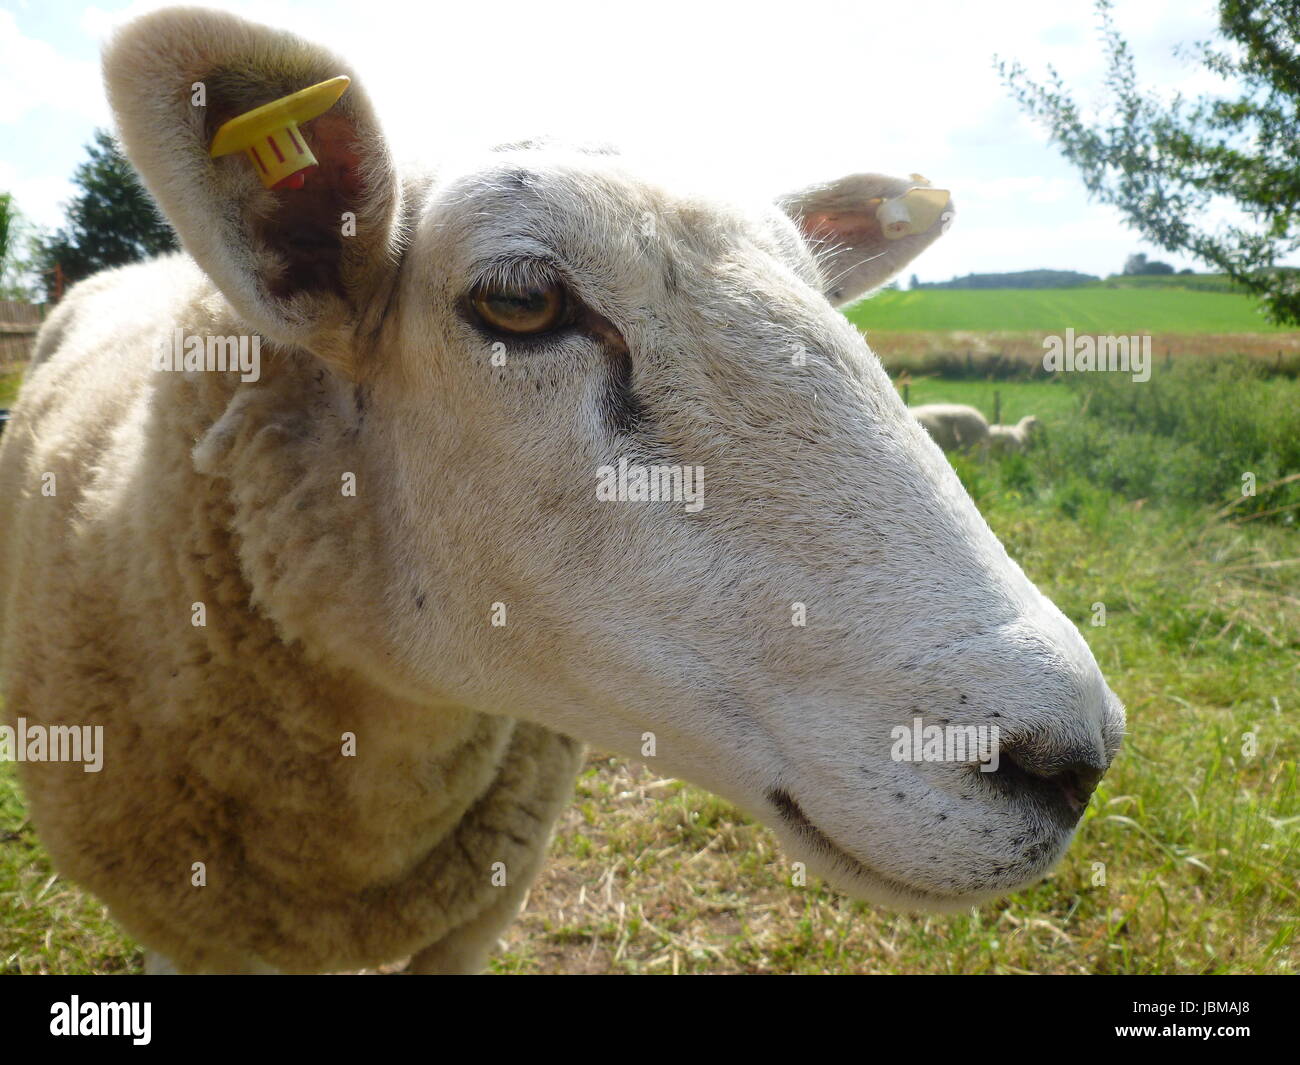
x: 1019, y: 279
x: 1194, y: 282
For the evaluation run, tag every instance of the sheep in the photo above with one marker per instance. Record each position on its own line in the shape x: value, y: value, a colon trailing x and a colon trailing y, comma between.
x: 954, y: 426
x: 1007, y: 438
x: 347, y: 613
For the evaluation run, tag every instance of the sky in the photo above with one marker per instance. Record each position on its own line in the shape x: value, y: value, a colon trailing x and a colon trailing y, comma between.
x: 762, y: 95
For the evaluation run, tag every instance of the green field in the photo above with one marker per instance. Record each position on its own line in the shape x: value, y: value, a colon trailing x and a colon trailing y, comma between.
x: 1098, y: 310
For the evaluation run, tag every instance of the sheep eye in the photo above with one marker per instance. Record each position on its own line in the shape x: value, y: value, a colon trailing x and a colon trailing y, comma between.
x: 520, y: 308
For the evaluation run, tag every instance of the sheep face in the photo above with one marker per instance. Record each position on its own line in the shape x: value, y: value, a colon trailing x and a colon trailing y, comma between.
x: 626, y: 472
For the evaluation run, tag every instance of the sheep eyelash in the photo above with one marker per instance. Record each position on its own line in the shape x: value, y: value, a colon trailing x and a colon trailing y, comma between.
x: 518, y: 272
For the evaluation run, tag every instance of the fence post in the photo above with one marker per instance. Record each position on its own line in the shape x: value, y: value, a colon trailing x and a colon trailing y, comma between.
x: 906, y: 389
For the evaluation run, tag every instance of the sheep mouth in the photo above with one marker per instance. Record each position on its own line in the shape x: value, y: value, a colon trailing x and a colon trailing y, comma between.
x: 1038, y: 858
x: 812, y: 837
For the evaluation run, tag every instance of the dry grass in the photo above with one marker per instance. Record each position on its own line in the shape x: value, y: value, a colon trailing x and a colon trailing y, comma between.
x: 1021, y: 353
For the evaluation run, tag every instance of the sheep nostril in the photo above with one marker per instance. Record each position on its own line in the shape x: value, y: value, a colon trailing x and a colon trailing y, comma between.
x: 1077, y: 783
x: 1072, y: 781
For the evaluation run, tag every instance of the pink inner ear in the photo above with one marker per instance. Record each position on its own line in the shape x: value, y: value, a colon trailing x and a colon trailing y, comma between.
x: 306, y: 226
x: 840, y: 227
x: 333, y: 141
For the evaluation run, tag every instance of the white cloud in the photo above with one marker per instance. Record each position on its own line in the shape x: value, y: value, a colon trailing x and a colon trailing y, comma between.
x: 39, y: 198
x: 770, y: 95
x: 1018, y: 189
x: 34, y: 74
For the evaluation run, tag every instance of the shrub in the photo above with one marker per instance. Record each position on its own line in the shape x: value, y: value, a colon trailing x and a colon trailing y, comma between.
x: 1183, y: 438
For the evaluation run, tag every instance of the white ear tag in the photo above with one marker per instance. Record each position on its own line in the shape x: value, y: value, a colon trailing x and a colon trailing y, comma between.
x: 915, y: 211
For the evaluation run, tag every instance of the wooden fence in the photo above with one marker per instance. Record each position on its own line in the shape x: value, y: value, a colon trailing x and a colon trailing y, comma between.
x: 18, y: 325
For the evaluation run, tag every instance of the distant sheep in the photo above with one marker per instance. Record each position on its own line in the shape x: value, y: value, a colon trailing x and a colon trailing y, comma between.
x: 1006, y: 438
x: 953, y: 425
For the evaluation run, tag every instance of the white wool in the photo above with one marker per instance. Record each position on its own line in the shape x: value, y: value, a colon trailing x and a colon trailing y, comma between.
x: 953, y: 426
x: 347, y: 624
x: 1007, y: 438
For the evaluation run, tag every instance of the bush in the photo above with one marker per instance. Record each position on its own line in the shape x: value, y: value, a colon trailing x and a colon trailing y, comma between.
x: 1186, y: 437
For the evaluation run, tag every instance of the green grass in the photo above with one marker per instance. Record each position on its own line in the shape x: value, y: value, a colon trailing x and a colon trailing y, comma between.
x: 9, y: 381
x: 1188, y: 859
x: 1188, y: 436
x: 47, y: 924
x: 1099, y: 310
x: 1049, y: 400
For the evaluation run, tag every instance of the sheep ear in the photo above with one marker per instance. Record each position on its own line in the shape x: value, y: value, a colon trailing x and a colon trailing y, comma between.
x: 865, y: 228
x: 305, y: 266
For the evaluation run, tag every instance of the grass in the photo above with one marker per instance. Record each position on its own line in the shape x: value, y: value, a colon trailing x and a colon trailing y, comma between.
x: 1187, y: 436
x: 1111, y: 311
x: 1049, y: 400
x: 964, y: 354
x: 1187, y: 861
x: 9, y: 381
x: 47, y: 924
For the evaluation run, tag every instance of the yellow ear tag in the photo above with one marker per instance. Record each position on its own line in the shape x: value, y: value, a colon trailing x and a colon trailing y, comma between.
x: 269, y: 134
x: 915, y: 211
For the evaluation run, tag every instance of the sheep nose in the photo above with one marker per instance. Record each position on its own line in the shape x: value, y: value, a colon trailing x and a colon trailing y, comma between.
x: 1063, y: 778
